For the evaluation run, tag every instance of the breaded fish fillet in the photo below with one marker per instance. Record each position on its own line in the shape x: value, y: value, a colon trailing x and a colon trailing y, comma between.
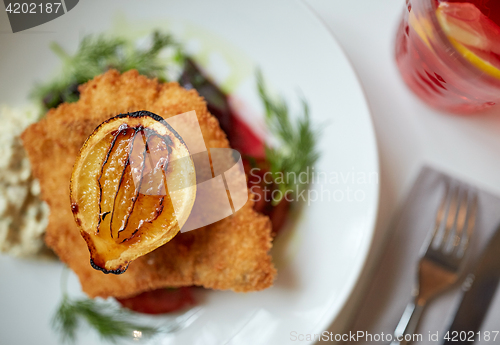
x: 230, y: 254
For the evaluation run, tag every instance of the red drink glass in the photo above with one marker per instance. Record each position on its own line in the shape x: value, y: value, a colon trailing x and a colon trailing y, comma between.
x: 448, y: 74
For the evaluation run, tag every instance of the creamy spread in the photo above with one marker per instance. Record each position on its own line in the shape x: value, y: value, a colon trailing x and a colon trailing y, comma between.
x: 23, y: 215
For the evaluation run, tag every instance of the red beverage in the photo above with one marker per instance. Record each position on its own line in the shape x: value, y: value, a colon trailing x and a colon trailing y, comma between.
x: 490, y: 8
x: 448, y: 53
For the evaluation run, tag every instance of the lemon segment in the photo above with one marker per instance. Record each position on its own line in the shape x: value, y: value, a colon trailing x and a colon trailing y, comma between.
x: 475, y: 60
x: 466, y: 32
x: 120, y: 186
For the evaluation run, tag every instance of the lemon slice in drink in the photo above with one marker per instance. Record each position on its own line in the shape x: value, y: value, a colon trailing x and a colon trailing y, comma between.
x: 475, y: 60
x: 472, y: 34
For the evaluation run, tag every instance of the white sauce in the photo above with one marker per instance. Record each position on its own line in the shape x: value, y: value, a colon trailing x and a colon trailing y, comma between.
x: 23, y: 216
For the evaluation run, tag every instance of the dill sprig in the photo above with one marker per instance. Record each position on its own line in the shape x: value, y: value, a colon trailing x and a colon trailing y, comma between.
x: 297, y: 149
x: 97, y: 54
x: 110, y: 322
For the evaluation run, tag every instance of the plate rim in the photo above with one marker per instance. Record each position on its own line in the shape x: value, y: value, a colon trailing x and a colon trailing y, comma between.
x: 332, y: 311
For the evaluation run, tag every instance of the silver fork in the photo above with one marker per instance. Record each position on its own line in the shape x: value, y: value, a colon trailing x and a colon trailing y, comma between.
x: 440, y: 265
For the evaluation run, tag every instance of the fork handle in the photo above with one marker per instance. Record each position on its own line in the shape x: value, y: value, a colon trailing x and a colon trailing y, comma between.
x: 408, y: 322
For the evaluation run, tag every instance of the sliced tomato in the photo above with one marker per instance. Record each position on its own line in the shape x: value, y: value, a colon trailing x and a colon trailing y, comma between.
x: 244, y: 140
x: 160, y: 301
x: 279, y: 214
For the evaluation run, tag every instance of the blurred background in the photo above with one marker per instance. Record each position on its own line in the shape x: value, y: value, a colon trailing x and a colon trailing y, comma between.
x: 409, y: 133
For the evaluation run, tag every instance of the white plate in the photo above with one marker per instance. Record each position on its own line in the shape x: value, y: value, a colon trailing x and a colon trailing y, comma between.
x: 320, y: 258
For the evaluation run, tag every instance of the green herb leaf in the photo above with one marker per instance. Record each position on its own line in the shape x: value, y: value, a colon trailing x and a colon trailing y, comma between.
x: 109, y: 321
x: 97, y: 54
x: 65, y: 321
x: 297, y: 149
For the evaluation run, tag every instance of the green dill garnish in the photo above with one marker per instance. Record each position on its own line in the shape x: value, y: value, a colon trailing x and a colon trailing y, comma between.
x: 94, y: 56
x: 297, y: 149
x: 110, y: 322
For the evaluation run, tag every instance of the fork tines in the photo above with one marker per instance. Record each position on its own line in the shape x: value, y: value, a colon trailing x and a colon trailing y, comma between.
x: 455, y: 220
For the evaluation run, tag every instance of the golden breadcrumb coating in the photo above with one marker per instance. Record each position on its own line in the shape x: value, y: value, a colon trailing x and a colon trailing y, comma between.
x: 230, y: 254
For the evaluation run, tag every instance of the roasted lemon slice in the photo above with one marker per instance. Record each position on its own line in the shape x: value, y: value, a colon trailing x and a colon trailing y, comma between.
x: 133, y: 187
